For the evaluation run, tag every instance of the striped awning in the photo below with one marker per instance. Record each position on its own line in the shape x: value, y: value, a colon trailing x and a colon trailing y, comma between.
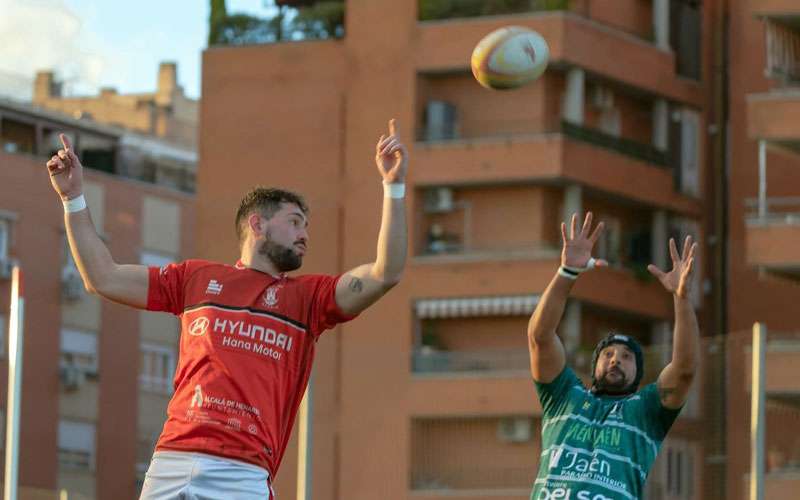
x: 465, y: 307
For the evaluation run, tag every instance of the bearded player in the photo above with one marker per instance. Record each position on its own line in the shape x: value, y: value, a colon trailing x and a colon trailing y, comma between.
x: 248, y: 331
x: 600, y: 443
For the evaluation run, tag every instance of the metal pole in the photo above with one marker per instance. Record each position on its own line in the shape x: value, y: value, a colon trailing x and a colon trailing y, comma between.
x: 14, y: 384
x: 304, y: 446
x: 757, y: 420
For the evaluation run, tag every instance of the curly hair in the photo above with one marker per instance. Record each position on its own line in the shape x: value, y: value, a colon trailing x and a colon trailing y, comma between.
x: 267, y: 201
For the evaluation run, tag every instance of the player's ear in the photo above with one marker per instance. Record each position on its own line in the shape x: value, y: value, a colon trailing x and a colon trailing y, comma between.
x: 256, y: 223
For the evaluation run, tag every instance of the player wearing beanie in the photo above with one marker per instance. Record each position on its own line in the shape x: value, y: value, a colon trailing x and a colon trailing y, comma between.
x: 601, y: 442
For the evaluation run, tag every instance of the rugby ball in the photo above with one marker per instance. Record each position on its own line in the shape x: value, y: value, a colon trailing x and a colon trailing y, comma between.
x: 509, y: 58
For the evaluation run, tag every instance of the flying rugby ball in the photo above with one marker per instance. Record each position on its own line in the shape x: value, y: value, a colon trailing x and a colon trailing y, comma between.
x: 509, y: 57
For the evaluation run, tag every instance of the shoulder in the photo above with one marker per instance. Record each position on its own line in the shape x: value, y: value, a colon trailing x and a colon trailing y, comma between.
x: 312, y: 280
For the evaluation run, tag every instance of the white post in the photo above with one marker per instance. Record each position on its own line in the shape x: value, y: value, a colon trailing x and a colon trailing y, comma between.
x: 304, y: 447
x: 572, y: 110
x: 660, y: 239
x: 14, y: 384
x: 757, y: 420
x: 762, y: 179
x: 573, y: 204
x: 661, y: 23
x: 661, y: 124
x: 571, y: 328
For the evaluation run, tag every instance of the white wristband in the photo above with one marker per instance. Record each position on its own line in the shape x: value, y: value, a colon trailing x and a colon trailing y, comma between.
x: 577, y: 270
x: 562, y: 271
x: 394, y: 190
x: 75, y: 204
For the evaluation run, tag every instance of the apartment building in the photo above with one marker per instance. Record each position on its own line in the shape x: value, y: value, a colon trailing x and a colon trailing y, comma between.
x: 96, y: 376
x: 428, y: 394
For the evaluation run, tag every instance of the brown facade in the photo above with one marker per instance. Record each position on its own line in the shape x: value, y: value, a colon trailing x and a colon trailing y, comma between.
x: 428, y: 393
x: 86, y: 401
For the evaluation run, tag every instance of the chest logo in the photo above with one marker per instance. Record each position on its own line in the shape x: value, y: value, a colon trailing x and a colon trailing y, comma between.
x: 199, y: 326
x: 214, y: 288
x: 271, y: 296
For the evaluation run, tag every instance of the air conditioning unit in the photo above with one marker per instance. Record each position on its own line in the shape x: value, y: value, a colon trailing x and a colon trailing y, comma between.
x: 514, y: 430
x: 5, y: 268
x: 438, y: 200
x: 71, y: 283
x: 72, y: 377
x: 602, y: 98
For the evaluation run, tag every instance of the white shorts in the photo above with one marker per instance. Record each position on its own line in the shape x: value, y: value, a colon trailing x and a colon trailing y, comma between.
x: 179, y: 475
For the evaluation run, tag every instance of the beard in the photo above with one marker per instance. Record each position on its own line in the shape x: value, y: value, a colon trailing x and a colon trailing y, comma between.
x: 284, y: 258
x: 613, y: 385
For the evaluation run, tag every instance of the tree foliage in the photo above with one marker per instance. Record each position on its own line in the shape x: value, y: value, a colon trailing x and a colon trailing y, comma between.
x: 446, y: 9
x: 294, y: 20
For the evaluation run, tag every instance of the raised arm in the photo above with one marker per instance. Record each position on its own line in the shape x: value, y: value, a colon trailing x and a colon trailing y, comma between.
x: 126, y: 284
x: 676, y: 378
x: 359, y: 288
x: 546, y: 350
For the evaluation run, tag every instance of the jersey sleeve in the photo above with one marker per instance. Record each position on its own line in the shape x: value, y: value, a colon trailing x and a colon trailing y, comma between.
x: 165, y: 290
x: 662, y: 417
x: 553, y: 395
x: 324, y: 312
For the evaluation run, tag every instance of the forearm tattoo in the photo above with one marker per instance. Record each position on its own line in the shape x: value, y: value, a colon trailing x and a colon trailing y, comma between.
x: 356, y: 285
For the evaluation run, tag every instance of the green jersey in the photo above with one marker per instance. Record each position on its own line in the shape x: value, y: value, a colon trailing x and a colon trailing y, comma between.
x: 597, y: 447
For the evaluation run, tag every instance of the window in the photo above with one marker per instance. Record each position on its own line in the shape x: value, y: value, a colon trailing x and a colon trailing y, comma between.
x: 79, y: 348
x: 157, y: 367
x: 76, y: 445
x: 156, y: 259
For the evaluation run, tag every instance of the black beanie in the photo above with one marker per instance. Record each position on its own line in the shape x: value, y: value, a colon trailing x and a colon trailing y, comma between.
x: 617, y: 338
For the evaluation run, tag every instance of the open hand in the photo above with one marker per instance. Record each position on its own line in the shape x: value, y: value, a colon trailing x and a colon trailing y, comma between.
x: 578, y: 247
x: 678, y: 280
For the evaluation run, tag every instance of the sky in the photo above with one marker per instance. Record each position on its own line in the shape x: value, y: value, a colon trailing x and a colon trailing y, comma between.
x: 104, y: 43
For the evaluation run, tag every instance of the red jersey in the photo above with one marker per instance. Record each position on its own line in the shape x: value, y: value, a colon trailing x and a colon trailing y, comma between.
x: 246, y: 347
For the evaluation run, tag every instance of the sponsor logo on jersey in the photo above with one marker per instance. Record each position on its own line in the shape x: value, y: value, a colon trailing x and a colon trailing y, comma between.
x: 199, y: 326
x: 197, y: 399
x: 569, y: 494
x: 214, y: 288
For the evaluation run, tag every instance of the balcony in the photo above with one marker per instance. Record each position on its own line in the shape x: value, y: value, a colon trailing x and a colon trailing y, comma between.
x: 584, y: 156
x: 773, y: 235
x: 431, y: 362
x: 774, y: 115
x: 573, y: 40
x: 782, y: 357
x: 775, y: 8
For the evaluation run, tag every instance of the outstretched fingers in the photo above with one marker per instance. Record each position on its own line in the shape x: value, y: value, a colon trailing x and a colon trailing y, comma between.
x: 655, y: 271
x: 573, y: 226
x: 597, y: 232
x: 564, y: 232
x: 587, y: 225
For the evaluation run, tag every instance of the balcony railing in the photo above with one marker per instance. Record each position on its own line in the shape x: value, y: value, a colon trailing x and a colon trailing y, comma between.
x: 634, y: 149
x: 501, y: 478
x: 429, y: 361
x: 783, y: 52
x: 774, y: 210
